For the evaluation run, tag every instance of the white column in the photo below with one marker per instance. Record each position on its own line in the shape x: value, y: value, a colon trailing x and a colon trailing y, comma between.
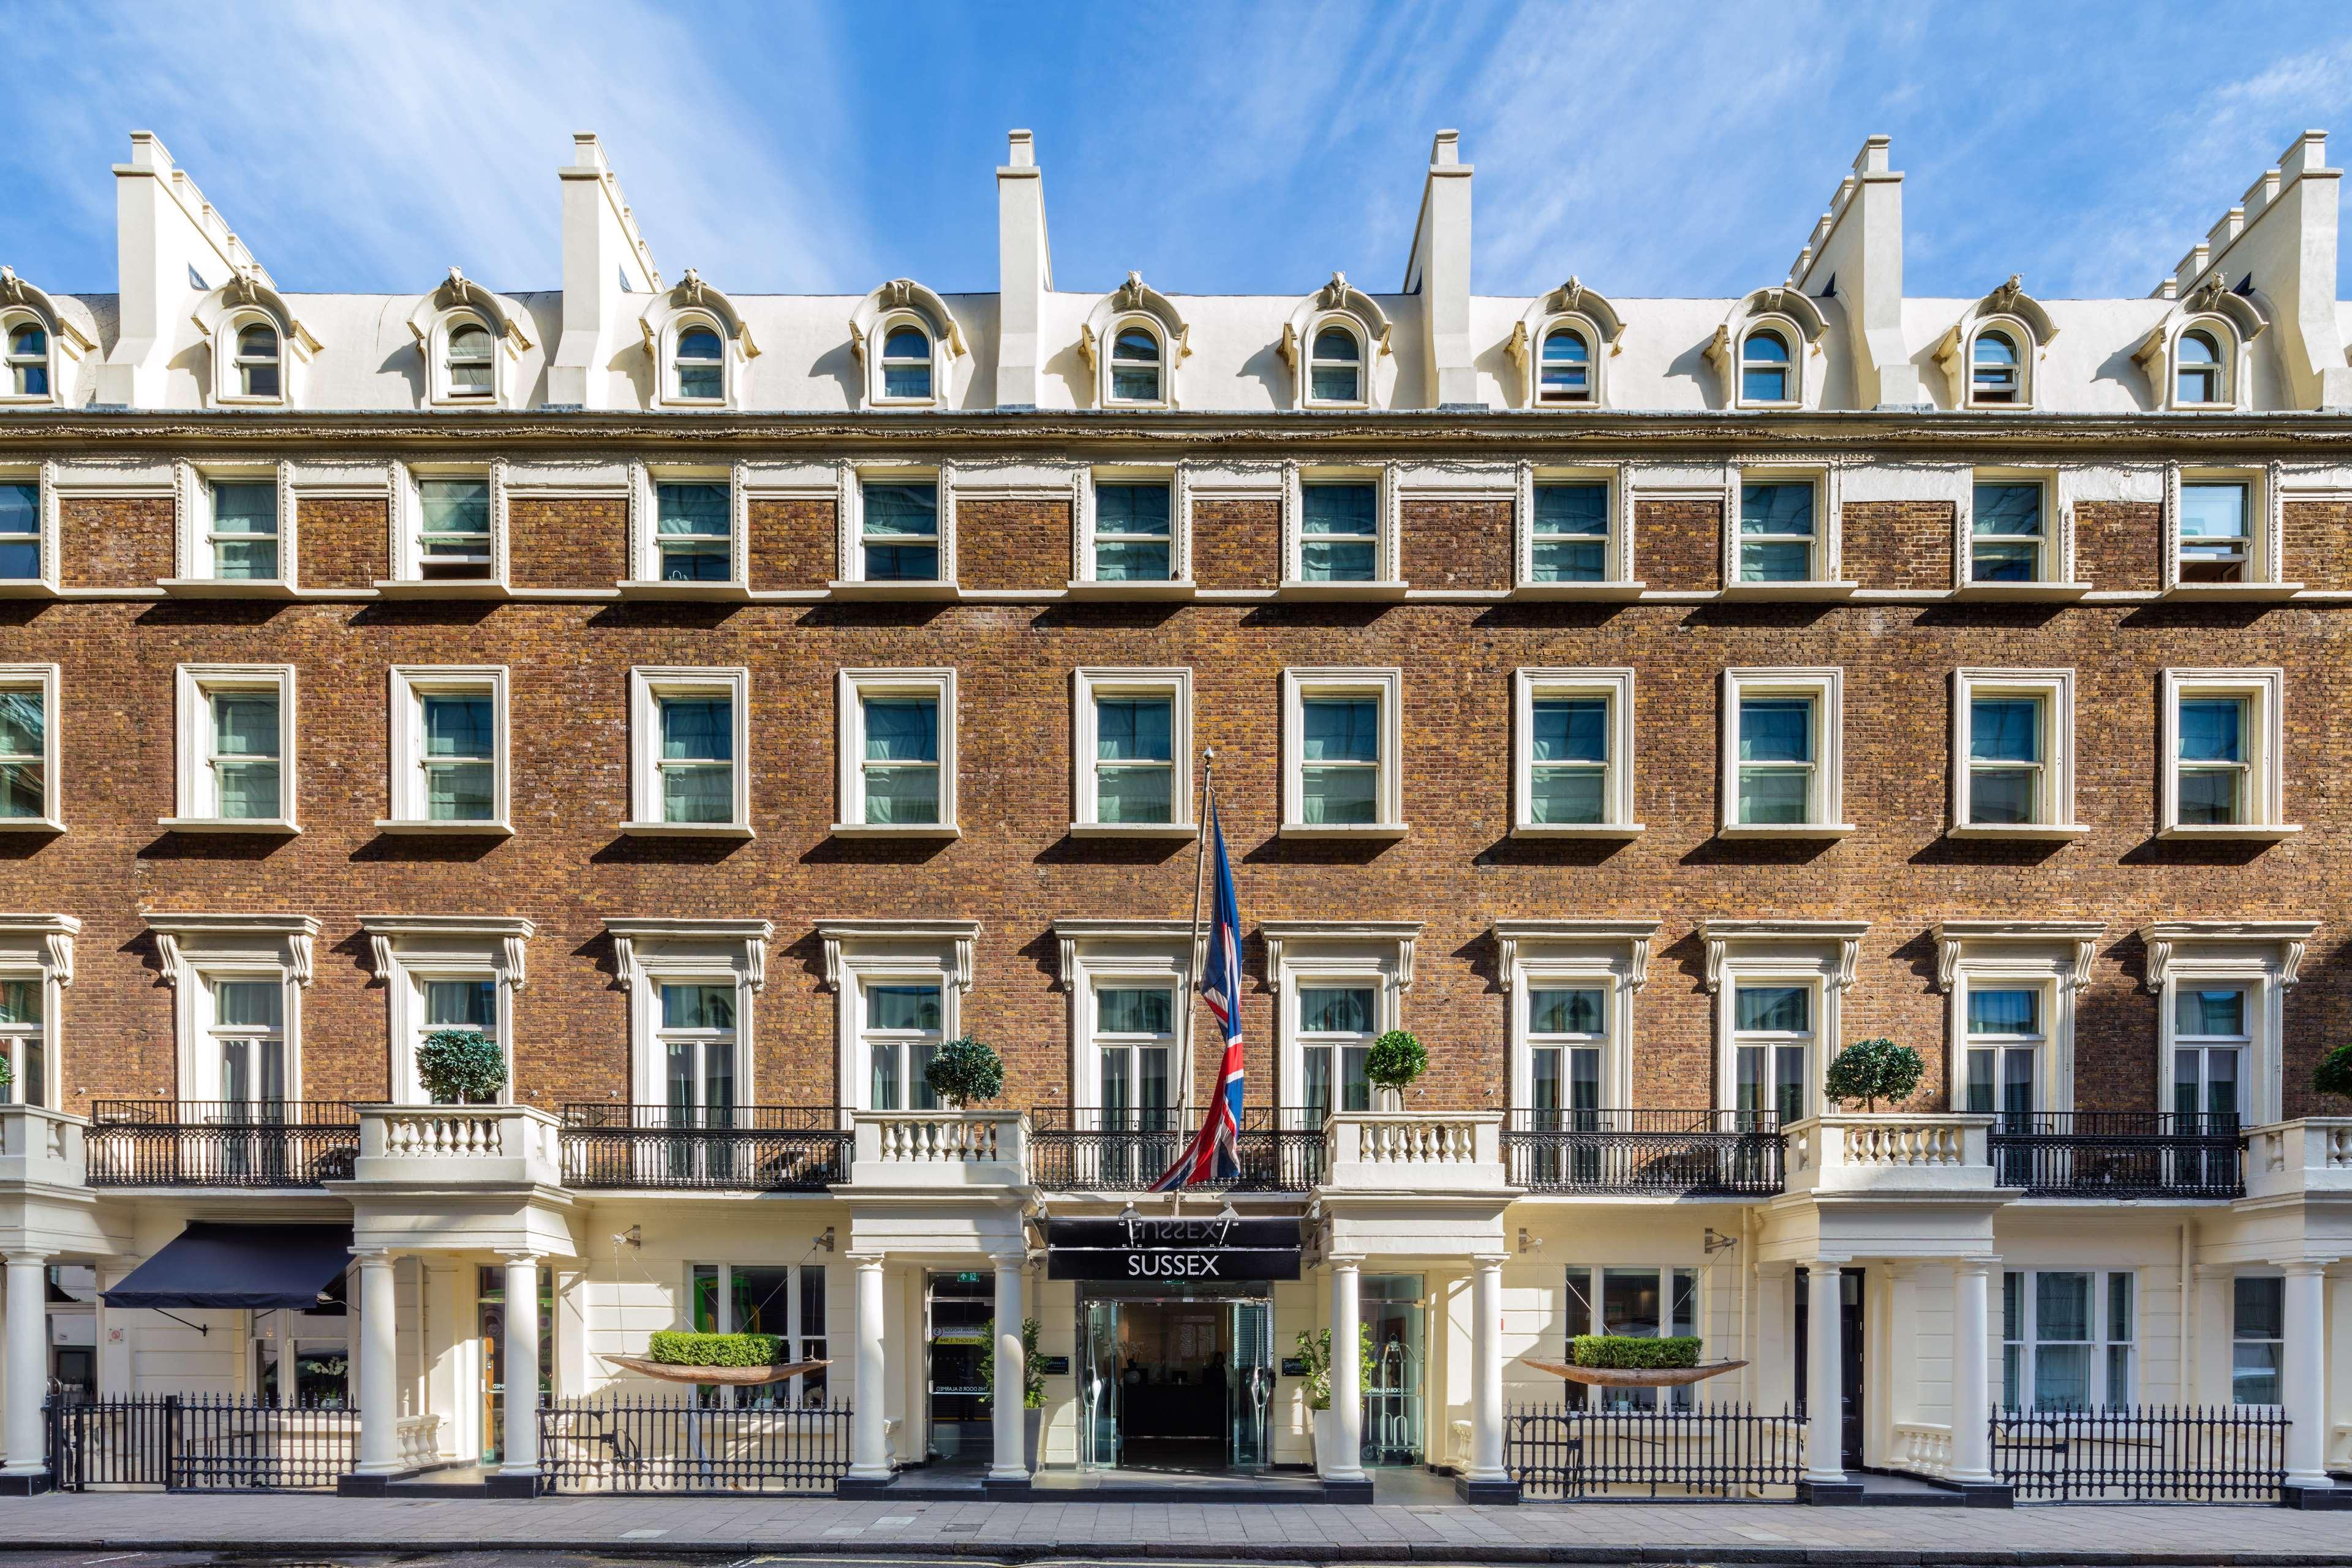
x: 28, y: 1354
x: 869, y: 1442
x: 1010, y: 1413
x: 1971, y: 1371
x: 1486, y: 1373
x: 521, y: 1436
x: 1824, y: 1434
x: 1345, y: 1462
x: 2302, y: 1372
x: 379, y: 1366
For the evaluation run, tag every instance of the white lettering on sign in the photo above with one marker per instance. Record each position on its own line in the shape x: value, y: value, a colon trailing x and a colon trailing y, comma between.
x: 1171, y: 1264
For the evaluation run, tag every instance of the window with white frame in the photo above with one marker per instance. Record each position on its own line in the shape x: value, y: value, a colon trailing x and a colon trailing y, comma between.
x: 36, y: 967
x: 447, y: 972
x: 448, y: 747
x: 1571, y: 984
x: 28, y: 359
x: 1341, y: 739
x: 787, y: 1301
x: 1783, y: 746
x: 1637, y: 1303
x: 699, y: 363
x: 693, y: 539
x: 259, y: 370
x: 898, y: 761
x: 690, y: 736
x: 1568, y: 1053
x: 1133, y: 538
x: 2217, y: 531
x: 245, y: 1044
x: 20, y: 532
x: 1564, y: 367
x: 1339, y: 531
x: 1335, y: 365
x: 238, y: 981
x: 1136, y: 359
x: 1128, y: 984
x: 2013, y: 752
x: 454, y: 541
x: 237, y: 746
x: 1133, y: 747
x: 467, y: 360
x: 901, y: 1032
x: 1574, y: 756
x: 1337, y: 987
x: 1767, y: 373
x: 2068, y: 1339
x: 24, y: 1037
x: 1996, y: 370
x: 694, y: 1035
x: 2006, y: 1039
x: 1134, y: 1048
x: 243, y: 538
x: 901, y: 985
x: 28, y: 747
x: 2011, y: 534
x: 2257, y: 1339
x: 1571, y: 532
x: 692, y: 986
x: 2221, y: 988
x: 1333, y: 1026
x: 2201, y: 360
x: 899, y: 538
x: 1772, y: 1047
x: 907, y: 368
x: 1781, y: 536
x: 2224, y: 733
x: 2212, y: 1038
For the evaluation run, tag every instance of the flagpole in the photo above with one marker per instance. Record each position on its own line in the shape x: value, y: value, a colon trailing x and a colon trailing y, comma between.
x: 1200, y: 870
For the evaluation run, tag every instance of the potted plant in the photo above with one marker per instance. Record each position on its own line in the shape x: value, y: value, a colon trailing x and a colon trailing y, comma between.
x: 1315, y: 1366
x: 964, y: 1071
x: 2333, y: 1076
x: 1873, y: 1071
x: 1032, y: 1387
x: 461, y: 1066
x: 1395, y: 1059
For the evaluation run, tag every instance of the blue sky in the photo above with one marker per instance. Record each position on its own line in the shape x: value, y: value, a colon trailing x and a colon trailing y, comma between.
x: 1648, y: 148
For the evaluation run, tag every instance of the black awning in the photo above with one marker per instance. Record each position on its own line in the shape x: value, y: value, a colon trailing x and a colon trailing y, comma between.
x: 260, y: 1267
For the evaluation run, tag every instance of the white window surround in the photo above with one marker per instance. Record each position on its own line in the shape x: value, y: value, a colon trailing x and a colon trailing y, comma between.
x: 1533, y: 683
x: 1798, y: 345
x: 24, y: 305
x: 410, y: 685
x: 2022, y: 342
x: 1377, y: 953
x: 1134, y: 304
x: 1621, y: 583
x: 457, y: 302
x: 939, y: 358
x: 406, y: 951
x: 1107, y: 353
x: 850, y: 509
x: 1176, y: 478
x: 1613, y: 955
x: 1317, y: 325
x: 2097, y: 1393
x: 192, y: 563
x: 1826, y: 689
x: 195, y: 949
x: 2231, y: 357
x: 2052, y: 957
x: 44, y: 678
x: 1387, y: 582
x: 41, y: 948
x: 227, y: 333
x: 899, y: 302
x: 1138, y: 953
x: 732, y: 355
x: 1829, y: 550
x: 2265, y: 692
x: 441, y: 389
x: 2265, y: 956
x: 1332, y: 680
x: 1175, y: 685
x: 2054, y: 581
x: 649, y: 952
x: 862, y: 953
x: 2265, y: 531
x: 852, y: 687
x: 1822, y: 955
x: 194, y: 809
x: 43, y: 477
x: 1598, y: 351
x: 645, y: 580
x: 407, y: 516
x: 648, y: 684
x: 2055, y: 689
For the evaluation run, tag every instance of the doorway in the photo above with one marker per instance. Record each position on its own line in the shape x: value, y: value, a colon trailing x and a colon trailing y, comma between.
x: 1175, y: 1383
x: 1849, y: 1373
x: 490, y: 1323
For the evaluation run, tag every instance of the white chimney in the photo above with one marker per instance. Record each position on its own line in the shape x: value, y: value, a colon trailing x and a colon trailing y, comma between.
x: 1860, y: 245
x: 608, y: 271
x: 1438, y: 272
x: 1024, y: 274
x: 171, y: 248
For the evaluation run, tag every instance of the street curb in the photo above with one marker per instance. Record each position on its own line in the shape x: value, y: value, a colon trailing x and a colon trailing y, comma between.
x: 1206, y: 1554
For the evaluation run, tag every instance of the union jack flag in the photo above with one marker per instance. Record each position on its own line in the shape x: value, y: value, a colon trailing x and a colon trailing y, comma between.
x: 1215, y: 1152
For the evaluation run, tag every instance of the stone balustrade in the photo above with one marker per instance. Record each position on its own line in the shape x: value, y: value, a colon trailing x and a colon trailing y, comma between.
x: 1922, y: 1447
x: 2291, y: 1159
x: 42, y: 1148
x: 419, y: 1438
x: 1419, y: 1151
x: 939, y: 1148
x: 459, y: 1145
x: 1933, y: 1154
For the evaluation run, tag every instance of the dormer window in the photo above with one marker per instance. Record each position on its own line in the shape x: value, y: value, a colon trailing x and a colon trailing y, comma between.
x: 1565, y: 374
x: 701, y: 372
x: 1334, y: 368
x: 2199, y: 373
x: 256, y: 360
x: 468, y: 360
x: 1765, y: 368
x: 28, y: 360
x: 1994, y: 373
x: 906, y: 363
x: 1135, y: 361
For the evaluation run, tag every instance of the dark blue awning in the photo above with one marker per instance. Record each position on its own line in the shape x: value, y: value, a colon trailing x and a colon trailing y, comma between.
x: 260, y: 1267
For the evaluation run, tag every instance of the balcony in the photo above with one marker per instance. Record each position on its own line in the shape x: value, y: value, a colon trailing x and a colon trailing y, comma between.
x: 165, y: 1143
x: 1644, y: 1154
x: 1086, y: 1151
x: 744, y: 1148
x: 2112, y: 1154
x: 1932, y: 1157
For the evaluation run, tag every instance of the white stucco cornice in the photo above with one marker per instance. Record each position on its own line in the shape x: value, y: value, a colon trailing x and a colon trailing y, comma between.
x: 2211, y: 298
x: 56, y: 935
x: 510, y: 933
x: 751, y: 935
x: 1790, y: 304
x: 957, y: 937
x: 1570, y: 298
x: 1068, y: 933
x: 176, y: 931
x: 1510, y: 936
x: 1402, y: 935
x: 1954, y: 938
x: 1842, y: 936
x: 904, y: 294
x: 2288, y: 939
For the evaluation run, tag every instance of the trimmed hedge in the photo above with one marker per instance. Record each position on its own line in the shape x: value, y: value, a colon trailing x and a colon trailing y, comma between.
x: 1624, y: 1352
x: 674, y: 1348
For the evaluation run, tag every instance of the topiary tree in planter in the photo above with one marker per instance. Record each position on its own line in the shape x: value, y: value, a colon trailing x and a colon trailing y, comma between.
x: 963, y: 1072
x: 2332, y: 1076
x: 461, y: 1066
x: 1395, y: 1059
x: 1873, y: 1071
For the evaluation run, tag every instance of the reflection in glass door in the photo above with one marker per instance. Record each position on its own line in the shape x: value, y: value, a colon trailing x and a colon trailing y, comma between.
x: 1250, y: 1393
x: 1098, y: 1388
x: 1391, y: 1316
x: 490, y: 1322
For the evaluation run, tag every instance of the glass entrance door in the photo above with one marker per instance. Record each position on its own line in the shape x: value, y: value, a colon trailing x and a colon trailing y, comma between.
x: 1098, y: 1386
x: 1391, y: 1310
x: 1250, y: 1395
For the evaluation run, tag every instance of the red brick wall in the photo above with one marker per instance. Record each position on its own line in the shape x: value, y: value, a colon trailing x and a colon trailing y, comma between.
x: 341, y: 543
x: 123, y: 543
x: 1237, y: 543
x: 567, y: 543
x: 1457, y: 543
x: 2119, y: 545
x: 1012, y: 543
x: 792, y: 543
x: 1897, y: 544
x: 1678, y: 544
x: 2319, y: 545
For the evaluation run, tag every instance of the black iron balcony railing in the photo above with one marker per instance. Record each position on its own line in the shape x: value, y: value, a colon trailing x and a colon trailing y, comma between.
x: 1084, y: 1150
x: 220, y: 1143
x: 1680, y: 1154
x: 744, y: 1148
x: 2119, y: 1154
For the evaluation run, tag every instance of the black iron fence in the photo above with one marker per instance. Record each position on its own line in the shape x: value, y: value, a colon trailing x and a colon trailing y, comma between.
x: 198, y: 1442
x: 2119, y: 1154
x: 1078, y: 1151
x: 662, y: 1443
x: 1730, y: 1153
x: 756, y: 1148
x: 1559, y: 1453
x: 2229, y: 1453
x: 220, y: 1143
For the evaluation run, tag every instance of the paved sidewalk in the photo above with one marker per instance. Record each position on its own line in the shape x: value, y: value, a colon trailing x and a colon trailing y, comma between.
x: 1028, y: 1531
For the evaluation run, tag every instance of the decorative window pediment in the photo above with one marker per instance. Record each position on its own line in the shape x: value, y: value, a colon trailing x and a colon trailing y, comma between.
x: 472, y: 341
x: 2011, y: 1031
x: 900, y: 371
x: 699, y: 344
x: 39, y: 344
x: 1563, y: 345
x: 259, y: 348
x: 1133, y: 370
x: 900, y: 985
x: 36, y: 967
x: 1783, y: 316
x: 239, y: 981
x: 1329, y: 373
x: 2198, y: 355
x: 690, y: 985
x: 1992, y: 354
x: 2221, y: 988
x: 442, y: 971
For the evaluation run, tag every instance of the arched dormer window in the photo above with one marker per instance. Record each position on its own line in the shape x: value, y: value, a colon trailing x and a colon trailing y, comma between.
x: 1990, y: 356
x: 1563, y: 345
x: 2197, y: 357
x: 471, y: 343
x: 1564, y: 370
x: 1335, y: 367
x: 258, y: 347
x: 38, y: 343
x: 906, y: 363
x: 1135, y: 342
x: 2199, y: 375
x: 28, y: 359
x: 1766, y: 375
x: 1765, y: 350
x: 1995, y: 368
x: 1135, y: 358
x: 258, y: 373
x: 908, y: 343
x: 468, y: 361
x: 1337, y: 342
x: 698, y: 365
x: 699, y: 345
